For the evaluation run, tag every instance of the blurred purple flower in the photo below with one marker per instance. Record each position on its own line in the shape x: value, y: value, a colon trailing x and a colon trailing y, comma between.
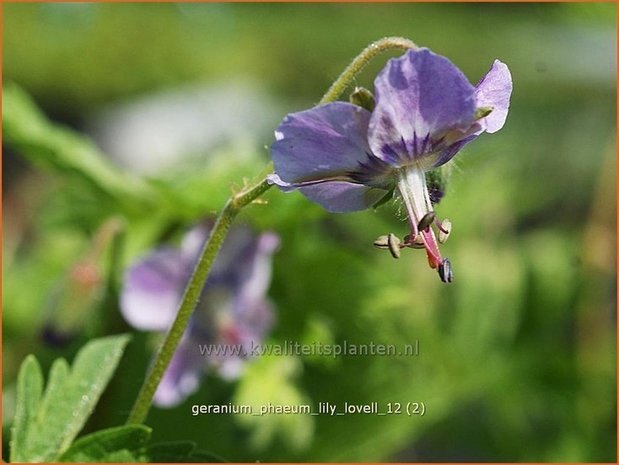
x: 346, y: 159
x: 233, y: 312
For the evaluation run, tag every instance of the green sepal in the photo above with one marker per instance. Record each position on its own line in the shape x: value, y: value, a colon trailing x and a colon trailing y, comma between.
x: 482, y: 112
x: 437, y: 180
x: 384, y: 199
x: 363, y: 98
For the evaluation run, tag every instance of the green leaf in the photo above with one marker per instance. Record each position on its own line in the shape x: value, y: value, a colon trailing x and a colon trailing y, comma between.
x: 270, y: 379
x: 109, y: 444
x: 121, y: 456
x: 45, y: 427
x: 48, y: 145
x: 129, y: 444
x: 29, y: 391
x: 179, y: 452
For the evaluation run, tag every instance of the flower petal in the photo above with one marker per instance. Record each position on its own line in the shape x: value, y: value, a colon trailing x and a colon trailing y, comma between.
x: 152, y: 289
x: 232, y: 258
x: 194, y: 240
x: 494, y: 90
x: 284, y: 186
x: 182, y: 377
x: 449, y: 152
x: 342, y: 197
x: 419, y: 97
x: 321, y: 143
x: 255, y: 276
x: 254, y: 319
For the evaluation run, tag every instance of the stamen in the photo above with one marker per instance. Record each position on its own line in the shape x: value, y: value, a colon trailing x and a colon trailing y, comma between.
x: 382, y: 242
x: 414, y: 191
x: 444, y: 230
x: 426, y: 221
x: 393, y: 242
x: 445, y: 272
x: 434, y: 255
x: 416, y: 243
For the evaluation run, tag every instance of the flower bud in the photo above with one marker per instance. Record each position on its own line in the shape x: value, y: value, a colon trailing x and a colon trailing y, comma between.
x: 73, y: 305
x: 362, y: 98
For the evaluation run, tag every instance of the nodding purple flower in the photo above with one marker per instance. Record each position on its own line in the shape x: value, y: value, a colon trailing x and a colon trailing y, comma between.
x: 347, y: 158
x: 233, y: 315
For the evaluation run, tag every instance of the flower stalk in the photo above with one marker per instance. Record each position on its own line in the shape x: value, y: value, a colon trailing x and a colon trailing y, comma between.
x: 209, y: 252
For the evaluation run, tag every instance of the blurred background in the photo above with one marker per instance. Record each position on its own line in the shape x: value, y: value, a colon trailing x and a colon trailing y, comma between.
x: 518, y: 355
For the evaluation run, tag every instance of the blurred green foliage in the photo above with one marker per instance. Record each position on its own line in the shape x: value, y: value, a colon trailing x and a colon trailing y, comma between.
x: 519, y: 350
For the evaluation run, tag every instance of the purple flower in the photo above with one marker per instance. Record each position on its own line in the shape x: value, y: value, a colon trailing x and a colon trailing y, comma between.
x: 346, y: 159
x: 233, y: 314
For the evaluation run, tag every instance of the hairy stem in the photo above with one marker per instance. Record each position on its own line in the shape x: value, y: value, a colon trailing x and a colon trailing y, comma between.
x: 209, y: 252
x: 190, y: 298
x: 357, y: 65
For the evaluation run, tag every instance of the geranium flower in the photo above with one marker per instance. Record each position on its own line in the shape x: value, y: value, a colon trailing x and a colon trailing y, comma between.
x: 347, y: 158
x: 234, y: 313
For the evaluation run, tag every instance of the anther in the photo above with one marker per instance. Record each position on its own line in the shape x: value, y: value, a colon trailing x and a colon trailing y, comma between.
x: 444, y: 230
x: 416, y: 243
x: 426, y: 221
x: 445, y: 272
x: 393, y: 243
x: 382, y: 242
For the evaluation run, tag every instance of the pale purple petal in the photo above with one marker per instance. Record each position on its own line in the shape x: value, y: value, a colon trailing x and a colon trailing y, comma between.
x: 152, y: 289
x: 232, y: 255
x: 241, y: 334
x: 253, y: 320
x: 255, y: 275
x: 324, y: 142
x: 448, y: 153
x: 193, y: 241
x: 494, y: 90
x: 284, y: 186
x: 419, y: 97
x: 342, y: 197
x: 182, y: 376
x: 231, y: 369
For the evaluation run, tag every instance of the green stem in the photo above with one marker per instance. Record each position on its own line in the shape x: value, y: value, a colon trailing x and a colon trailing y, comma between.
x: 209, y: 252
x: 190, y: 298
x: 357, y: 65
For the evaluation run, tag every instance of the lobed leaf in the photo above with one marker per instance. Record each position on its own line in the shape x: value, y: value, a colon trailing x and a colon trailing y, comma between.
x: 179, y: 452
x: 109, y: 444
x: 46, y: 425
x: 29, y: 391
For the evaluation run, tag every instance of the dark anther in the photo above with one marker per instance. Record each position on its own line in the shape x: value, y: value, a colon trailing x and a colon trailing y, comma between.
x: 416, y: 243
x: 445, y: 271
x: 426, y: 221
